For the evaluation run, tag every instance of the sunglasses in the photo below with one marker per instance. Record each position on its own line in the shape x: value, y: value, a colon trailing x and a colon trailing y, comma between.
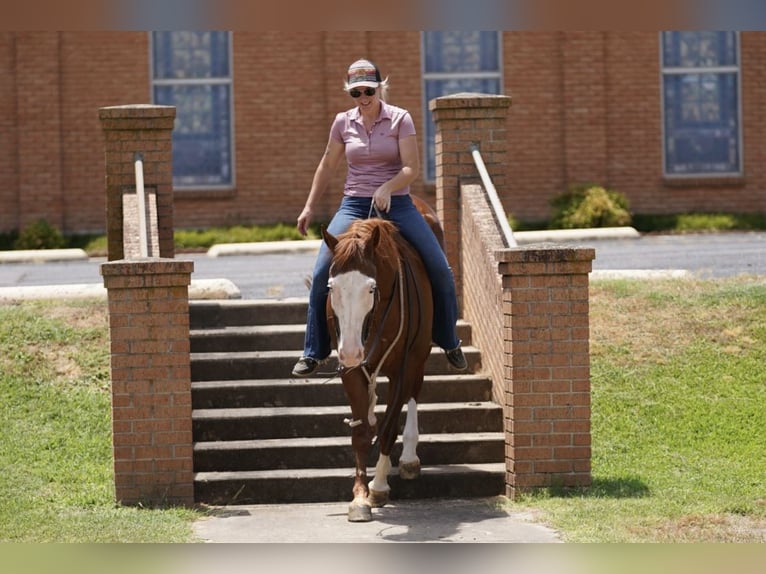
x: 357, y: 93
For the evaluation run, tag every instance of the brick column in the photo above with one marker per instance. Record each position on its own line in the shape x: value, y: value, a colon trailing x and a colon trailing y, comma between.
x: 144, y: 129
x: 461, y: 120
x: 547, y: 363
x: 151, y: 380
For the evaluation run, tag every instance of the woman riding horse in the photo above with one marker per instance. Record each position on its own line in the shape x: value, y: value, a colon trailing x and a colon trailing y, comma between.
x: 380, y: 146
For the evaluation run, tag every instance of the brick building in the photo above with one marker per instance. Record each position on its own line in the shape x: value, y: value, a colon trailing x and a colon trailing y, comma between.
x: 673, y: 119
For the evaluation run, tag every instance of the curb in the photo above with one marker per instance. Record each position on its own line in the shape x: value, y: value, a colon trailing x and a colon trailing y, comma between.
x: 264, y: 247
x: 42, y: 255
x: 198, y: 290
x: 553, y: 235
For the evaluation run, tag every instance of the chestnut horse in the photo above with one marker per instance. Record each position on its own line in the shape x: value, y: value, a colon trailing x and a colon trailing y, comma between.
x: 380, y: 314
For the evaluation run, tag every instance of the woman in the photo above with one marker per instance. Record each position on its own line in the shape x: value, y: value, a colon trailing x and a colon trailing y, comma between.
x: 380, y: 146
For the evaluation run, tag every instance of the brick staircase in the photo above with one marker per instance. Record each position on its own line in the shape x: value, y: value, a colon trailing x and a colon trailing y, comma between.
x: 261, y: 436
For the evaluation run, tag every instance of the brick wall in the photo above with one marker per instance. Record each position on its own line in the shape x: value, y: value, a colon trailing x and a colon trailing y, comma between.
x: 587, y: 106
x: 528, y: 307
x: 547, y: 358
x: 151, y: 380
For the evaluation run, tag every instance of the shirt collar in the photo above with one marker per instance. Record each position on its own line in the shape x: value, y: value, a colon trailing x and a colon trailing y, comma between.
x: 385, y: 112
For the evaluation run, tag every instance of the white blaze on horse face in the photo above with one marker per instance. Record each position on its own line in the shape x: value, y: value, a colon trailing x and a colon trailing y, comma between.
x: 352, y: 296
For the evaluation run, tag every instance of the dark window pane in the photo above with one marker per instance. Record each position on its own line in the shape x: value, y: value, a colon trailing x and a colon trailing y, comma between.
x: 459, y: 52
x: 701, y: 123
x: 190, y: 55
x: 201, y: 143
x: 699, y: 49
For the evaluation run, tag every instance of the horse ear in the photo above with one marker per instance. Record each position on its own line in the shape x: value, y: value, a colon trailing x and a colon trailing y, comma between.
x: 328, y: 237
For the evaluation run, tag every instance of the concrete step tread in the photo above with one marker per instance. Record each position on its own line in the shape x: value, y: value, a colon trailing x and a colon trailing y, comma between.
x: 233, y: 445
x: 253, y: 355
x: 240, y: 383
x: 305, y: 473
x: 266, y: 328
x: 247, y: 330
x: 340, y: 410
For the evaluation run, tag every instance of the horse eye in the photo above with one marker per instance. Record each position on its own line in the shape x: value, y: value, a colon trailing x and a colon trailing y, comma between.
x: 329, y: 285
x: 373, y: 287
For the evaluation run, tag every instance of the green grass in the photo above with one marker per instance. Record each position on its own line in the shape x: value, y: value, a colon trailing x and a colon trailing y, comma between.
x: 678, y: 373
x: 55, y: 433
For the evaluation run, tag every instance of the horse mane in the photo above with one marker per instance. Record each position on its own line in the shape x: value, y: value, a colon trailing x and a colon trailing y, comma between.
x: 353, y: 245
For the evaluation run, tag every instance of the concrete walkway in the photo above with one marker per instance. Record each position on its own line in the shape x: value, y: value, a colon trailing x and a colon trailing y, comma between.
x: 464, y: 520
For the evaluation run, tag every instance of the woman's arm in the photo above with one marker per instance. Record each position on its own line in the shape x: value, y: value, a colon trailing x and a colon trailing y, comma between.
x: 322, y: 176
x: 408, y: 151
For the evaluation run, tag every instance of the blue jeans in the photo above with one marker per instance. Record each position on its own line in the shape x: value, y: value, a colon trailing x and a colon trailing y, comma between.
x: 414, y: 229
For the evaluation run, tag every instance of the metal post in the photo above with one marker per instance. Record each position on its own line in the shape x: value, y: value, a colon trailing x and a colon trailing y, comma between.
x: 138, y: 158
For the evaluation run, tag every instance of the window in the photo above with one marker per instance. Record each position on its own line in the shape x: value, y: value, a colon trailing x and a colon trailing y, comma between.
x: 455, y: 62
x: 192, y: 71
x: 700, y: 100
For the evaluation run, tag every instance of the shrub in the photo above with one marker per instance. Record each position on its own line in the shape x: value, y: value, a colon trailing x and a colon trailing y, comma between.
x: 590, y: 206
x: 39, y: 235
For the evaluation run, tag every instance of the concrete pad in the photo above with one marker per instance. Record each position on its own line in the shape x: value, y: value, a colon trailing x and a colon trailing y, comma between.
x: 199, y: 289
x: 41, y: 255
x: 259, y: 248
x: 640, y: 274
x: 564, y: 235
x: 462, y: 520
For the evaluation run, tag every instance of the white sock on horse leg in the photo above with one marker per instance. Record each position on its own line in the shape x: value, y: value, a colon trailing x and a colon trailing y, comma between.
x: 380, y: 482
x: 410, y: 435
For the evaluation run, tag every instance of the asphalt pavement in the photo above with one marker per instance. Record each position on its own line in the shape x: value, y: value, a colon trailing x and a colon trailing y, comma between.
x: 277, y: 270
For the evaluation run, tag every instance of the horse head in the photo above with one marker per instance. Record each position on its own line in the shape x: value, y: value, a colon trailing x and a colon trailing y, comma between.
x: 352, y: 288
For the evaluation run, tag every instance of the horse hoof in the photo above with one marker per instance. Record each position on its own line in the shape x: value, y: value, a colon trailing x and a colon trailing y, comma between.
x: 377, y: 498
x: 409, y: 470
x: 359, y: 513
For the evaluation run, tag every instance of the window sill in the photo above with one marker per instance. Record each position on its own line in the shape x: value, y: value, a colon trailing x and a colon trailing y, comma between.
x: 704, y: 181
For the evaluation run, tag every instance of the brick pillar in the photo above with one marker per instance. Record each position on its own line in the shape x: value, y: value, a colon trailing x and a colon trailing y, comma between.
x: 547, y: 363
x: 144, y: 129
x: 151, y: 380
x: 461, y: 120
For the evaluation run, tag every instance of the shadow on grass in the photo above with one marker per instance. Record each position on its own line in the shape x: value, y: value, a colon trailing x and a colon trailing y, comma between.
x: 622, y: 487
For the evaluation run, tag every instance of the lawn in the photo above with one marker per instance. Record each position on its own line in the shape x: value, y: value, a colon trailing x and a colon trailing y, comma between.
x: 678, y: 376
x: 678, y: 373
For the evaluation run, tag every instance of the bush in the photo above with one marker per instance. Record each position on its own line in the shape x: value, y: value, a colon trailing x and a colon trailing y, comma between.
x: 590, y: 206
x: 39, y: 235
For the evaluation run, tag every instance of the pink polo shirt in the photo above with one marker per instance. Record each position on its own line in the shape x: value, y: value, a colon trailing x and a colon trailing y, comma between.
x: 373, y: 158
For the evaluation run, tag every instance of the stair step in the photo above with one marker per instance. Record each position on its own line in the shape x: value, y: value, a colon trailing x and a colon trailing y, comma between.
x: 336, y: 452
x: 316, y: 392
x: 334, y: 484
x: 230, y: 312
x: 236, y: 338
x: 318, y: 421
x: 279, y: 364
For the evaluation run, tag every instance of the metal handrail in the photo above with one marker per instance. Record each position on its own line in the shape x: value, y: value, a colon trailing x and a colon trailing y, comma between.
x: 494, y: 200
x: 138, y: 159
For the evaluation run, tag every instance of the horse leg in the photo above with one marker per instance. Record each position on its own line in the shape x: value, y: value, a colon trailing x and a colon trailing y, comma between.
x: 378, y: 487
x: 360, y: 509
x: 409, y: 463
x: 355, y: 387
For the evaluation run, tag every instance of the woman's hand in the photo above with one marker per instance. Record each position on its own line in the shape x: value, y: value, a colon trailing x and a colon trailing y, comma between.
x: 381, y: 199
x: 304, y: 220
